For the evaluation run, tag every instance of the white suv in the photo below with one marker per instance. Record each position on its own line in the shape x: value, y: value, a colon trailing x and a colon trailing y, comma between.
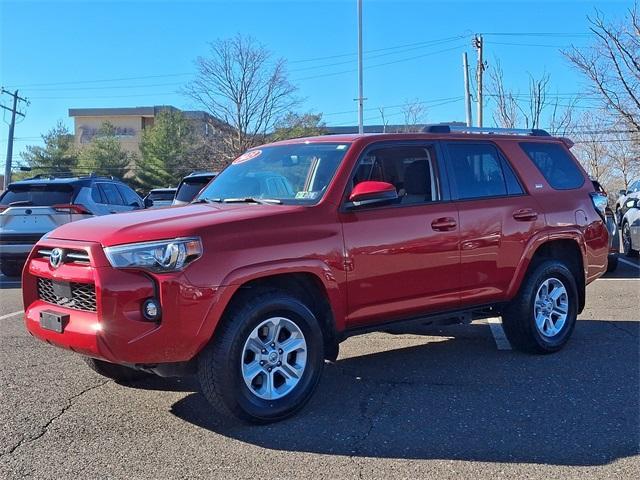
x: 30, y: 208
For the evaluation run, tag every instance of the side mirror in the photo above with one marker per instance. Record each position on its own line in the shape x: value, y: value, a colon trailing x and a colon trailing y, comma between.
x: 148, y: 203
x: 632, y: 203
x: 622, y: 192
x: 373, y: 193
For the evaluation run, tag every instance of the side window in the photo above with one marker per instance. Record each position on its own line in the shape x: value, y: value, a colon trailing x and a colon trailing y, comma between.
x: 130, y: 197
x: 555, y: 164
x: 96, y: 195
x: 110, y: 193
x: 477, y: 170
x: 410, y: 169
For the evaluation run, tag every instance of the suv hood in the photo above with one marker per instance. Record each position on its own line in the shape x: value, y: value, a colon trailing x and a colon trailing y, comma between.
x: 163, y: 223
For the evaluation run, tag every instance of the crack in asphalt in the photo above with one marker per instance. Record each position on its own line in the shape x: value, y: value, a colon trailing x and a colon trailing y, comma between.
x: 622, y: 329
x: 44, y: 429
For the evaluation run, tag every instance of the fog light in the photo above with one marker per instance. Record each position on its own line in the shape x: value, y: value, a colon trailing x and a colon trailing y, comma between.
x: 151, y: 309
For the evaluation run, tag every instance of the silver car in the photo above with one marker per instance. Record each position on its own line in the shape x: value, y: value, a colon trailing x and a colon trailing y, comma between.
x: 631, y: 227
x: 30, y: 208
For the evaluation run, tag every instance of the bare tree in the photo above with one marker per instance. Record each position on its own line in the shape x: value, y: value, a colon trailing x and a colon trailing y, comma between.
x: 507, y: 111
x: 414, y: 113
x: 612, y: 64
x: 593, y: 148
x: 385, y: 122
x: 537, y: 99
x: 625, y: 155
x: 561, y: 121
x: 240, y: 84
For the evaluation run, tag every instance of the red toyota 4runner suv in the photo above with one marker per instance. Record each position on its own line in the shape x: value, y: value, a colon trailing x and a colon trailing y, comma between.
x: 299, y: 244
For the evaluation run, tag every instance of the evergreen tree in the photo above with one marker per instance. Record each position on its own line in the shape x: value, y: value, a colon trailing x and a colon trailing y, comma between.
x: 165, y: 151
x: 58, y: 155
x: 105, y: 156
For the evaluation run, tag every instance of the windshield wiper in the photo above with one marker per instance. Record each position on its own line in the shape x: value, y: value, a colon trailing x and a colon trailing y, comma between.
x: 208, y: 200
x: 20, y: 203
x: 261, y: 201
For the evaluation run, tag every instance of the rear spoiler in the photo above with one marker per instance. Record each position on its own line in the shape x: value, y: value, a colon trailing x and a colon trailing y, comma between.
x: 567, y: 141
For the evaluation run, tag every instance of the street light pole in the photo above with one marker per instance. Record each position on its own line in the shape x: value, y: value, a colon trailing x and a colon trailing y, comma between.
x: 360, y: 88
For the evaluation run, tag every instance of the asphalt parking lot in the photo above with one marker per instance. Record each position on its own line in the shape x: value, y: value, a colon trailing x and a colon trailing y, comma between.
x: 443, y: 403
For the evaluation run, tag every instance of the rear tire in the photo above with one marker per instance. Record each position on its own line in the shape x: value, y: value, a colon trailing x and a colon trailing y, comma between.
x: 612, y: 263
x: 11, y: 268
x: 251, y: 370
x: 627, y: 244
x: 119, y: 373
x: 543, y: 315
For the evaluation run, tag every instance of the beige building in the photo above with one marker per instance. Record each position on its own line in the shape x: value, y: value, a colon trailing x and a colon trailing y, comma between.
x: 129, y: 123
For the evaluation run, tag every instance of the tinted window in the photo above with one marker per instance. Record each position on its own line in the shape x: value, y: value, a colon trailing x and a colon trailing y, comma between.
x: 38, y: 194
x: 110, y: 193
x: 190, y: 187
x: 166, y: 196
x: 130, y: 197
x: 555, y: 164
x: 410, y: 169
x: 96, y: 196
x: 477, y: 171
x: 513, y: 185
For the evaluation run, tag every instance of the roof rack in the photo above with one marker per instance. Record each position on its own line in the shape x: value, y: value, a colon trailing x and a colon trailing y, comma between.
x: 443, y: 128
x: 68, y: 175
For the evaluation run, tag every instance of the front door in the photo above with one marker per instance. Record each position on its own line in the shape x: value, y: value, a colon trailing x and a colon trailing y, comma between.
x: 402, y: 259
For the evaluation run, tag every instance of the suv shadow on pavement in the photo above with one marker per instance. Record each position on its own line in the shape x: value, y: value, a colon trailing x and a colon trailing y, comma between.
x: 461, y: 399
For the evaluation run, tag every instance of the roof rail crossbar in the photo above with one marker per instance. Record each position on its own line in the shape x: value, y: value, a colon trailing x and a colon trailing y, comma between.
x: 535, y: 132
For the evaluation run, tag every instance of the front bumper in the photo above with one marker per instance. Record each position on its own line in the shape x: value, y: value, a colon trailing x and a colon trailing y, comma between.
x: 116, y: 331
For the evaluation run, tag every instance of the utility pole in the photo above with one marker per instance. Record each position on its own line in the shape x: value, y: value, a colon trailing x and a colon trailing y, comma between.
x: 478, y: 44
x: 467, y: 94
x: 360, y: 89
x: 14, y: 111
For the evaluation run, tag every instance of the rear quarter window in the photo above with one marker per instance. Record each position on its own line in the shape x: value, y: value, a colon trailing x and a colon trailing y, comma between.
x: 555, y: 164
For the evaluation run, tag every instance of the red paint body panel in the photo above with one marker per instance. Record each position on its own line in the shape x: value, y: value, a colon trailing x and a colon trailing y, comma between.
x: 375, y: 265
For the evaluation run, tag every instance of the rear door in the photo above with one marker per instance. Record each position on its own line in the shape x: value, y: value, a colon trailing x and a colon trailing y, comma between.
x: 112, y: 198
x: 497, y: 217
x: 402, y: 260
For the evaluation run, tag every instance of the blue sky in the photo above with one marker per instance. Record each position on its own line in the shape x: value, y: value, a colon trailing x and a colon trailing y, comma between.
x: 70, y: 54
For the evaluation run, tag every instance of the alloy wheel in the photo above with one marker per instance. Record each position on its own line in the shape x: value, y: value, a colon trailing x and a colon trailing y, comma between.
x: 551, y: 307
x: 274, y: 358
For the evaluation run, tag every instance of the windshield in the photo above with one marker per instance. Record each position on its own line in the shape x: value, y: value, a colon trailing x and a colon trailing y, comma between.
x: 290, y: 174
x: 160, y: 196
x: 37, y: 194
x: 190, y: 187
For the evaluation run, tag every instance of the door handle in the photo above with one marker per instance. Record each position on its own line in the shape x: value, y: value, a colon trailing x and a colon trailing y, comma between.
x: 525, y: 214
x: 444, y: 224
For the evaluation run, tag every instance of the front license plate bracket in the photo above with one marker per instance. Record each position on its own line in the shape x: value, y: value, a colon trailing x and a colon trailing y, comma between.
x: 55, y: 321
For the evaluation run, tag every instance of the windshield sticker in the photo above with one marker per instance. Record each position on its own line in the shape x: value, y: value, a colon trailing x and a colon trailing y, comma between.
x: 307, y: 195
x: 245, y: 157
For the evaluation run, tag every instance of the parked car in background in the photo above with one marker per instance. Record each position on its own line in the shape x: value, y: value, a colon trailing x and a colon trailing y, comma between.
x: 253, y: 290
x: 632, y: 192
x: 30, y: 208
x: 612, y: 227
x: 631, y: 227
x: 159, y: 197
x: 191, y: 185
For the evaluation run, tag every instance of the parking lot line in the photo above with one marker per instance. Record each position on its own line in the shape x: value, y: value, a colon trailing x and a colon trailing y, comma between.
x: 495, y: 323
x: 9, y: 315
x: 627, y: 262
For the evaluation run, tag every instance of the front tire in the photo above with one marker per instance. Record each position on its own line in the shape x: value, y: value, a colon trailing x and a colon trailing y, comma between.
x: 265, y: 359
x: 542, y: 317
x: 11, y: 268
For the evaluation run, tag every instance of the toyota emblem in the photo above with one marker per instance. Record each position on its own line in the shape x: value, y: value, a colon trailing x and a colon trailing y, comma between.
x: 55, y: 259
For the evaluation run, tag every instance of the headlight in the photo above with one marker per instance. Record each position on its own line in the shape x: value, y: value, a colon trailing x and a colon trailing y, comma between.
x: 161, y: 256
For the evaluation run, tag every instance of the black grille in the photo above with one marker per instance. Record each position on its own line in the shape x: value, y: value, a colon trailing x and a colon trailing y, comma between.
x: 83, y: 295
